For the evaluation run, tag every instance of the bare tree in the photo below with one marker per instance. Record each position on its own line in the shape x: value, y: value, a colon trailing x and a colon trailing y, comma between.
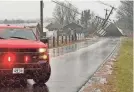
x: 65, y: 15
x: 125, y: 15
x: 85, y: 17
x: 59, y: 13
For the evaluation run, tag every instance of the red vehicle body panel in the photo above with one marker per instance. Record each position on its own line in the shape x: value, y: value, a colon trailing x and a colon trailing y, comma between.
x: 23, y: 54
x: 9, y: 43
x: 19, y: 43
x: 10, y: 26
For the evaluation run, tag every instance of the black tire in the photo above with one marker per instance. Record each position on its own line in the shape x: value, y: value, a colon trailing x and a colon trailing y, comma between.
x: 41, y: 77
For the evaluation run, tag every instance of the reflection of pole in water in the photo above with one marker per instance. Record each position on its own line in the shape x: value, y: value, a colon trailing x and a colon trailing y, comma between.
x: 58, y: 52
x: 72, y: 47
x: 53, y: 52
x: 75, y: 46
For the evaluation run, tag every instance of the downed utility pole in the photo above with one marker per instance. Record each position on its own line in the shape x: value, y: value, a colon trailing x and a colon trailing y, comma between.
x: 108, y: 17
x: 106, y: 13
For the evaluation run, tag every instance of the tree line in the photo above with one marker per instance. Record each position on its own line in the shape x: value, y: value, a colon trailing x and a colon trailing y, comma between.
x: 16, y: 21
x: 125, y: 15
x: 66, y: 13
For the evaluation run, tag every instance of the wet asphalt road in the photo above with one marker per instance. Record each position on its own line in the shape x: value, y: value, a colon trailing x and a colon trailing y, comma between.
x: 72, y: 66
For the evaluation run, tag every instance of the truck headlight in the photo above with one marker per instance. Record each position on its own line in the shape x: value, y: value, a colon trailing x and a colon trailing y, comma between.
x: 41, y: 50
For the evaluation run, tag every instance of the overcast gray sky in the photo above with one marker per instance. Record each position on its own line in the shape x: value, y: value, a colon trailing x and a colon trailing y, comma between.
x: 31, y: 9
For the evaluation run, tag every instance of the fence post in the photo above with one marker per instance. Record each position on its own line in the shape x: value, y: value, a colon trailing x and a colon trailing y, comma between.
x: 69, y: 38
x: 62, y: 39
x: 66, y: 39
x: 53, y: 41
x: 58, y: 40
x: 72, y: 37
x: 75, y: 37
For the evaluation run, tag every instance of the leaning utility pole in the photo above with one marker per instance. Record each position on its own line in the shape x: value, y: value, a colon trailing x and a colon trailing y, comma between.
x: 108, y: 17
x: 41, y: 18
x: 106, y: 13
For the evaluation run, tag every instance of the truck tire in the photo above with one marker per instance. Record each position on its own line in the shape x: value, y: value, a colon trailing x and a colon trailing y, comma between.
x: 43, y: 76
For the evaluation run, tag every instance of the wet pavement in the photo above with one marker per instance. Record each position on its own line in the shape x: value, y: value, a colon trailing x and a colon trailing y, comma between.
x: 71, y: 48
x: 72, y: 66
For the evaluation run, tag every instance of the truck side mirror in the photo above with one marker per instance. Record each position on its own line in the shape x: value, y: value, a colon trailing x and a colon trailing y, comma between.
x: 44, y: 40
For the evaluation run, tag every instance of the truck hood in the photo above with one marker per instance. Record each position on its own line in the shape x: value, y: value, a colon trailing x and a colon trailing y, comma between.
x: 20, y: 43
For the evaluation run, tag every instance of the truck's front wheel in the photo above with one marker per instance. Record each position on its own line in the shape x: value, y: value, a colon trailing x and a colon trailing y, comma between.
x: 42, y: 76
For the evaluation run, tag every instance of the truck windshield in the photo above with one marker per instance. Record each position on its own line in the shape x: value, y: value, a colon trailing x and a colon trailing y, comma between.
x: 17, y: 34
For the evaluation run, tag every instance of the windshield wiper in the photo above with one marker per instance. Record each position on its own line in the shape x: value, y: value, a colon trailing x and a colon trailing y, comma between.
x: 18, y: 37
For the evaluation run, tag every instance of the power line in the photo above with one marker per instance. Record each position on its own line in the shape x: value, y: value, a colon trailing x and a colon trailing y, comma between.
x: 107, y: 16
x: 106, y: 4
x: 59, y: 3
x: 70, y: 4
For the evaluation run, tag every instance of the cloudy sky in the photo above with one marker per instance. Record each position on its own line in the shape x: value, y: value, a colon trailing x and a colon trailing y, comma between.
x: 31, y: 9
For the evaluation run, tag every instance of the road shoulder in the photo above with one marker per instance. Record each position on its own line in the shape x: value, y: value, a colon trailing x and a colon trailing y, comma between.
x: 116, y: 73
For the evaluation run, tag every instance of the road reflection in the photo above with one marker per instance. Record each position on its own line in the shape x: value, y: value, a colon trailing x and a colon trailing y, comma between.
x: 29, y: 88
x: 71, y: 48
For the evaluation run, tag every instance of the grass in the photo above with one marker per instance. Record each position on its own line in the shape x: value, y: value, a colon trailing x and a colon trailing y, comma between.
x: 123, y: 68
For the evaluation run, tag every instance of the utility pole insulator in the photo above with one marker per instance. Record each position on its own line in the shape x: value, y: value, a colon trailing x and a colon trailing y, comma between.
x: 108, y: 17
x: 106, y: 13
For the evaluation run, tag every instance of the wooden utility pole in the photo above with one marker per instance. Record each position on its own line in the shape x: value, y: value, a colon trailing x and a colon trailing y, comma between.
x: 108, y: 17
x: 41, y: 18
x: 106, y: 13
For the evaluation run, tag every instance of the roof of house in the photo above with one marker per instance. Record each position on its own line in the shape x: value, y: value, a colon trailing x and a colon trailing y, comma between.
x: 72, y: 25
x: 55, y: 25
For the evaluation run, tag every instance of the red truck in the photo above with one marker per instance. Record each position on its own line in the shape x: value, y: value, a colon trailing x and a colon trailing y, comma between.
x: 23, y: 55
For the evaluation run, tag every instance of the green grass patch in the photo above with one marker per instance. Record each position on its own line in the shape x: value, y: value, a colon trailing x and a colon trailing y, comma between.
x: 123, y: 68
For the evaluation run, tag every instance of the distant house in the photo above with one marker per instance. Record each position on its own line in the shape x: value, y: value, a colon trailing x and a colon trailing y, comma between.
x: 54, y: 26
x: 67, y: 30
x: 88, y: 31
x: 79, y: 29
x: 54, y: 29
x: 73, y: 26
